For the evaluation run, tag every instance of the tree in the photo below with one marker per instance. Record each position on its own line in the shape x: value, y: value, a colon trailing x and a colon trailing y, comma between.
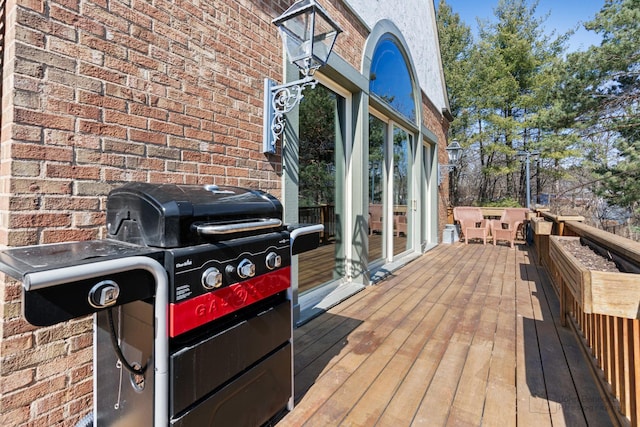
x: 455, y: 48
x: 501, y: 88
x: 606, y: 82
x: 317, y: 147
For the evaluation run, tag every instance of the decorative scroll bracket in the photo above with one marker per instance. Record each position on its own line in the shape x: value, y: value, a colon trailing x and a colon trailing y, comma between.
x: 278, y: 101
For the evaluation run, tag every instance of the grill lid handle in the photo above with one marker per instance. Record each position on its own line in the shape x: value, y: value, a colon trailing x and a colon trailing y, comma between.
x: 223, y: 229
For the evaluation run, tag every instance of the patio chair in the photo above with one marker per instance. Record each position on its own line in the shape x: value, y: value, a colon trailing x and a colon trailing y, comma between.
x: 472, y: 223
x: 506, y: 228
x: 400, y: 224
x: 375, y: 218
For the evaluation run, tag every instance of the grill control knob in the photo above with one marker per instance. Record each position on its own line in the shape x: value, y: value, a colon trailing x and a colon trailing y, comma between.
x: 211, y: 278
x: 246, y: 269
x: 273, y: 260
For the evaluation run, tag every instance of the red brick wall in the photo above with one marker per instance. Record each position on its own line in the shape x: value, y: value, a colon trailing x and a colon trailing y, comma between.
x: 100, y: 93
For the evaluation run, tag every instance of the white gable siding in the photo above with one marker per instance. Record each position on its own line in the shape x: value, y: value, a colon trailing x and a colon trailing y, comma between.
x: 416, y: 20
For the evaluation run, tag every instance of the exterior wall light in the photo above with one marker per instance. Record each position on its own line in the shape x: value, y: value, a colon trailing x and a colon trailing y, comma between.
x: 454, y: 151
x: 308, y: 34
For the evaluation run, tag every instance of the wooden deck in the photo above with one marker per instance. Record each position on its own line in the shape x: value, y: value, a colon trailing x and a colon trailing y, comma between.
x: 466, y: 335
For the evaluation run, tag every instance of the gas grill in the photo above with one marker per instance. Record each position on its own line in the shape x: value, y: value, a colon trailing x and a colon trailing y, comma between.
x: 191, y: 292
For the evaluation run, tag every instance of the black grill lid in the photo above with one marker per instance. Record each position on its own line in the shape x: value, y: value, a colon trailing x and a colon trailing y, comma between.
x: 170, y: 215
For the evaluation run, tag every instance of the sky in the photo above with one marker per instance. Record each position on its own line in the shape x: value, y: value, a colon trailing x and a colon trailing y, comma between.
x: 563, y: 16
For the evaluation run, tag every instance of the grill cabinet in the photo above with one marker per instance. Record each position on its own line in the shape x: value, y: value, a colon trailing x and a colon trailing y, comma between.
x: 192, y: 288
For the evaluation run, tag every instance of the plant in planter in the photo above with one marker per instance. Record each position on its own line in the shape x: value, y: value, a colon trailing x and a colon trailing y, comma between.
x: 597, y: 285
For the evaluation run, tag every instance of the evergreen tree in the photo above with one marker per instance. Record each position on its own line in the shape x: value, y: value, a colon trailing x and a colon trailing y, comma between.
x: 606, y: 82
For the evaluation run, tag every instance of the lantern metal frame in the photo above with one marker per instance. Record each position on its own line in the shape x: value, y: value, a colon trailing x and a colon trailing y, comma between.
x: 308, y: 50
x: 454, y: 152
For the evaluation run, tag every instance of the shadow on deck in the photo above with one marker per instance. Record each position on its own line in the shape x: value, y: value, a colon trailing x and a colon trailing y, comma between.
x: 465, y: 335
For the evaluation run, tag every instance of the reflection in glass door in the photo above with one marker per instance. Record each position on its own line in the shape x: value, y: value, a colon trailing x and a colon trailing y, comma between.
x: 322, y: 185
x: 401, y: 191
x: 390, y: 207
x: 377, y: 189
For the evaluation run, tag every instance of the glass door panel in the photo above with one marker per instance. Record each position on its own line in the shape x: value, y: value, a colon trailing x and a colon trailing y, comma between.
x: 401, y: 191
x: 321, y: 185
x: 377, y: 189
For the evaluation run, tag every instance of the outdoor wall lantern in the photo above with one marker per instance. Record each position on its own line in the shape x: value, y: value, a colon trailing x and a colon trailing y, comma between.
x: 308, y: 34
x: 454, y: 151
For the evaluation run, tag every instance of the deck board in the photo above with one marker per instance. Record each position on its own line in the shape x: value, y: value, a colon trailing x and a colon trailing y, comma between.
x: 465, y: 335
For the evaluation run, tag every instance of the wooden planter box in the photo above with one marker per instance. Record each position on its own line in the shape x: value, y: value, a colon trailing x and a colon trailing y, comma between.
x: 540, y: 226
x: 599, y: 292
x: 541, y: 232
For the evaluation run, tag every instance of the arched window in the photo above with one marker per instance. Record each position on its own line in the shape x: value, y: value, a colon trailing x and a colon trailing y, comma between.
x: 390, y: 79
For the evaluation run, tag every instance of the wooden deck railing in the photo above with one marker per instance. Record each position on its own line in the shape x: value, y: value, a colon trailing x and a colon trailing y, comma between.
x: 320, y: 214
x: 611, y: 340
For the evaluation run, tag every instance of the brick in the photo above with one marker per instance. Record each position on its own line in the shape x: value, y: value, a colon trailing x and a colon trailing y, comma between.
x: 50, y: 418
x: 102, y: 15
x: 69, y: 16
x: 54, y: 170
x: 26, y: 133
x: 53, y: 60
x: 124, y: 119
x: 146, y: 61
x: 71, y: 139
x: 165, y: 127
x: 61, y: 366
x: 44, y: 186
x: 17, y: 343
x: 74, y: 109
x: 56, y: 203
x: 183, y: 143
x: 119, y: 175
x: 55, y: 121
x: 198, y: 134
x: 72, y: 49
x: 84, y: 219
x: 40, y: 152
x: 58, y: 91
x: 12, y: 310
x: 16, y: 380
x: 96, y: 157
x: 68, y: 235
x: 20, y: 220
x: 116, y: 91
x: 125, y: 147
x: 30, y: 358
x: 48, y: 403
x: 149, y: 137
x: 21, y: 238
x: 182, y: 167
x: 163, y: 152
x: 196, y: 156
x: 28, y: 100
x: 104, y: 74
x: 99, y: 100
x: 144, y: 163
x: 15, y: 417
x: 77, y: 343
x: 79, y: 390
x: 132, y: 43
x: 26, y: 83
x: 25, y: 168
x: 102, y: 129
x: 170, y: 105
x: 72, y: 80
x: 150, y: 112
x: 30, y: 37
x: 172, y: 178
x: 211, y: 170
x: 86, y: 188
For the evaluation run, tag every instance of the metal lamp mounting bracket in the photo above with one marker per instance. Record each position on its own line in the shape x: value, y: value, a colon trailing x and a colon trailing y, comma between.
x: 282, y: 99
